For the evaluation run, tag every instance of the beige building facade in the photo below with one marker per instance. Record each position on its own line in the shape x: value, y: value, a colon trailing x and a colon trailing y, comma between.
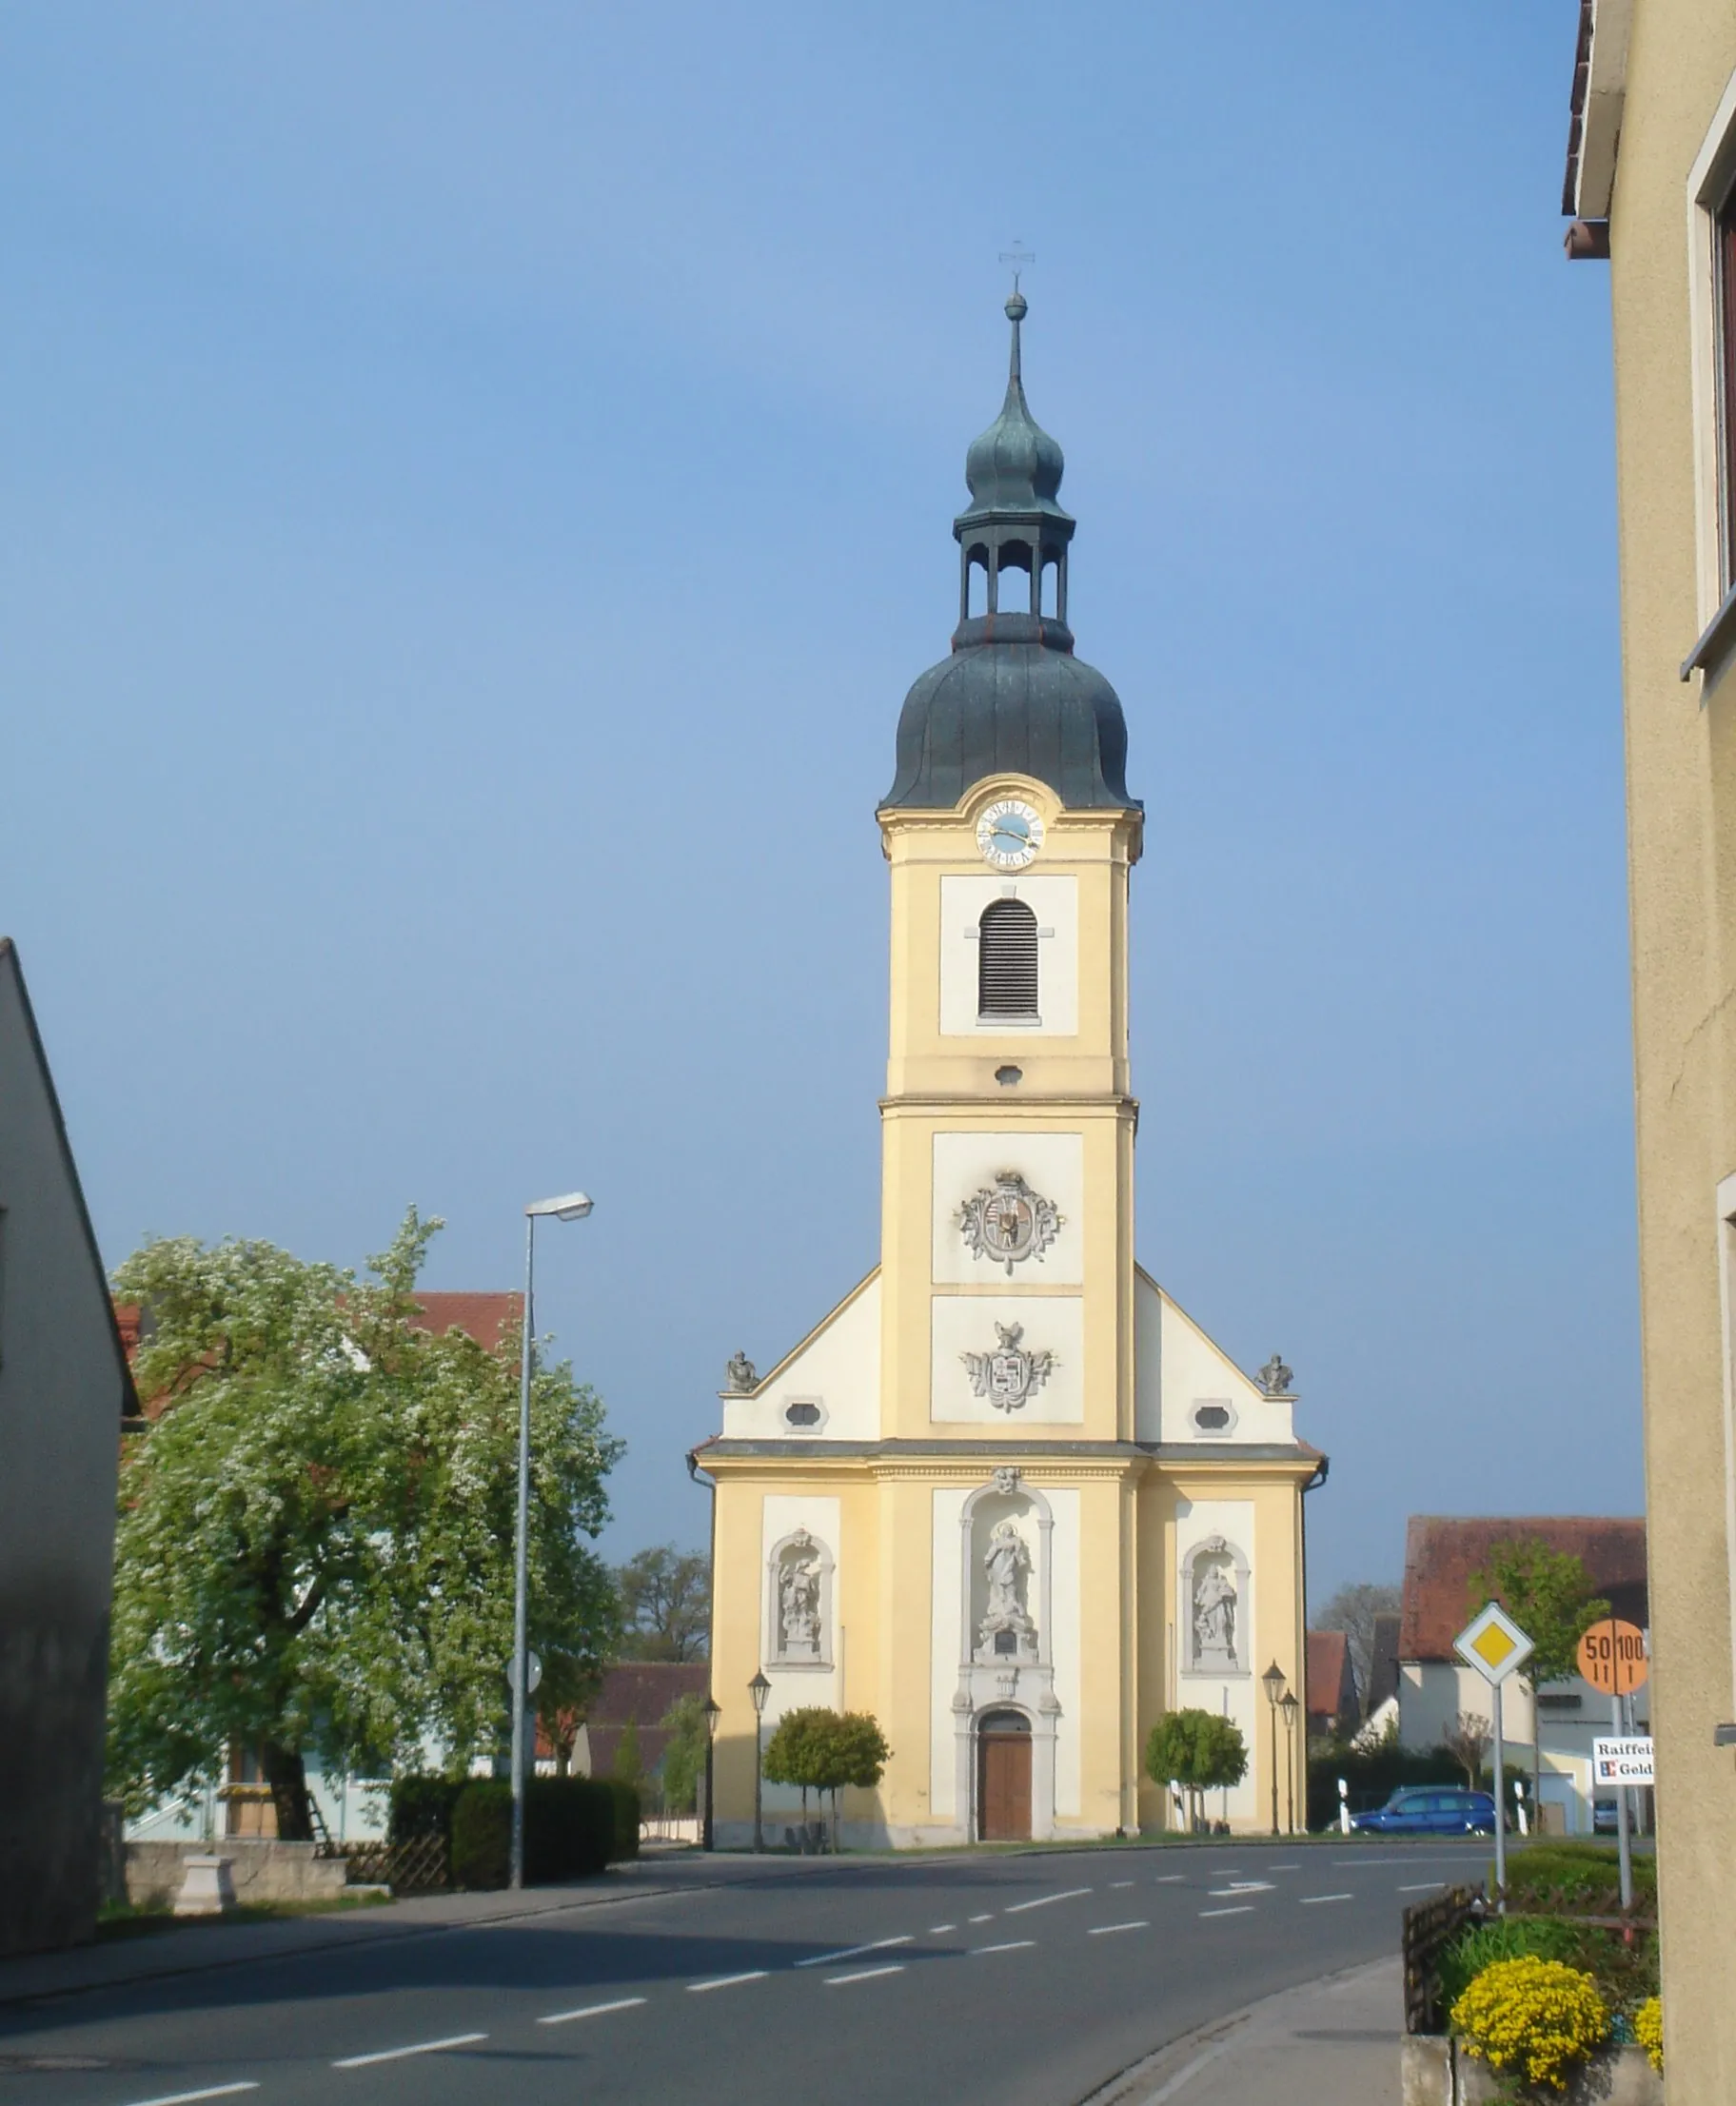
x: 1007, y: 1496
x: 1651, y: 185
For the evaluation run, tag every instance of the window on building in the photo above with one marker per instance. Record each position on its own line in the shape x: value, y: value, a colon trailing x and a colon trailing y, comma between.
x: 1006, y: 962
x: 1723, y: 275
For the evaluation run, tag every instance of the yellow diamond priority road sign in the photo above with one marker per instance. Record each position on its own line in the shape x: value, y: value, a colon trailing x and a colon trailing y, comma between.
x: 1493, y: 1645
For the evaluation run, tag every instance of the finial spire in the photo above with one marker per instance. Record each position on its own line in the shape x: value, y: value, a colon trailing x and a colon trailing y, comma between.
x: 1020, y: 258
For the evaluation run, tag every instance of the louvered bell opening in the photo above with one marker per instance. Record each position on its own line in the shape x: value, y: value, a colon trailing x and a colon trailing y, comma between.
x: 1006, y: 962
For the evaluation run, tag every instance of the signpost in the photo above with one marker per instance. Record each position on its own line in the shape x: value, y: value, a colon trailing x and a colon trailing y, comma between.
x: 1496, y: 1647
x: 1612, y: 1659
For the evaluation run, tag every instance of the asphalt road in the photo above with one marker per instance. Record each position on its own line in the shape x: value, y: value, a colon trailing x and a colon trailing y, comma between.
x: 1023, y: 1981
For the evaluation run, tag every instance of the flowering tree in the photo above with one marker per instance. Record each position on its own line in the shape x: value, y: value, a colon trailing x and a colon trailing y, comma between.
x: 314, y: 1548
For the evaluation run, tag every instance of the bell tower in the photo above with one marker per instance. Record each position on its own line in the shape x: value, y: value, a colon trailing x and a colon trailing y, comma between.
x: 1007, y: 1124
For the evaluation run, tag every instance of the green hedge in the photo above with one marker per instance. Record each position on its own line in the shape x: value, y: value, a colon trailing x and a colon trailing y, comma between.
x: 1555, y: 1875
x: 422, y: 1806
x: 1373, y: 1778
x: 574, y: 1826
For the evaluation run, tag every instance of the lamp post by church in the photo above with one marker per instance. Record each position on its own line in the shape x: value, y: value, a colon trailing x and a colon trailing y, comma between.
x: 1276, y: 1687
x: 1290, y: 1706
x: 760, y: 1688
x: 572, y: 1206
x: 714, y: 1711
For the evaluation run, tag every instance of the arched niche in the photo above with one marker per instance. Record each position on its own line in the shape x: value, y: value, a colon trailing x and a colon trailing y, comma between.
x: 798, y: 1603
x: 1216, y: 1621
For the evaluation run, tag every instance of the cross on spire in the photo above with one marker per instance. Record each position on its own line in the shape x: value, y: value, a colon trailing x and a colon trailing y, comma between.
x: 1020, y: 258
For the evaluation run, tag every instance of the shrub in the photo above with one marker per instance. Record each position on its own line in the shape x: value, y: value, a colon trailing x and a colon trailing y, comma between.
x: 574, y: 1826
x: 1503, y: 1937
x: 422, y: 1806
x: 1197, y: 1750
x: 481, y: 1833
x: 1578, y: 1878
x: 624, y: 1846
x: 1534, y: 2015
x: 1648, y: 2031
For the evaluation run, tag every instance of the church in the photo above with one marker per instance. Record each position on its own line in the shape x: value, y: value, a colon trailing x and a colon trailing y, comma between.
x: 1007, y: 1496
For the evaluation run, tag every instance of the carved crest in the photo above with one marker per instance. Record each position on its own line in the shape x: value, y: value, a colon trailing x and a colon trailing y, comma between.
x: 1009, y: 1375
x: 1007, y: 1222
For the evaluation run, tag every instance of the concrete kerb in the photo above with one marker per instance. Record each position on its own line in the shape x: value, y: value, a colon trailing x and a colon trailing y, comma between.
x: 1169, y: 2071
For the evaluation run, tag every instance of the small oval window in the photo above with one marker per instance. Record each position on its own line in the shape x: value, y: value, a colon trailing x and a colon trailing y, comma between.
x: 1211, y: 1418
x: 802, y: 1413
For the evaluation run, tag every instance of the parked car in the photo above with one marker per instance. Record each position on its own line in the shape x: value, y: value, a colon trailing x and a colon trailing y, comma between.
x: 1430, y: 1810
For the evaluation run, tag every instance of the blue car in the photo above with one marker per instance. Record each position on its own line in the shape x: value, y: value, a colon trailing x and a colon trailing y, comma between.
x: 1430, y: 1810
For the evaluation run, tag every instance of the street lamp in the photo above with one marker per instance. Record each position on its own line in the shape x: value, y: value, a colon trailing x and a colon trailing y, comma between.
x: 760, y: 1688
x: 573, y: 1205
x: 1290, y: 1706
x: 714, y: 1711
x: 1275, y: 1687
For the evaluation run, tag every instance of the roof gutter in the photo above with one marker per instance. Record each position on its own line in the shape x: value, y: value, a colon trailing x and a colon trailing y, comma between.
x: 1594, y: 125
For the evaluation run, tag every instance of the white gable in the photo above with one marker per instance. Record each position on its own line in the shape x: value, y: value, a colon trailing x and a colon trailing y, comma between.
x: 835, y: 1371
x: 1180, y: 1372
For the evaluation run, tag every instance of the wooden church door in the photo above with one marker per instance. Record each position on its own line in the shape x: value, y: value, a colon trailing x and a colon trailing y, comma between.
x: 1004, y: 1763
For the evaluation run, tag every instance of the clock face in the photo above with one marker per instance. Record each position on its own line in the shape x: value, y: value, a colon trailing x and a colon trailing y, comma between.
x: 1009, y: 834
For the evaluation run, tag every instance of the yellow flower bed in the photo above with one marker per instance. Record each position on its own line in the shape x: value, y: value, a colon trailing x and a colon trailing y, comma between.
x: 1648, y: 2031
x: 1538, y: 2017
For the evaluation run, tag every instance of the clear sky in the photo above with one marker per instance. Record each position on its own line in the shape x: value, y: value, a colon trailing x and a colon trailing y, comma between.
x: 478, y: 481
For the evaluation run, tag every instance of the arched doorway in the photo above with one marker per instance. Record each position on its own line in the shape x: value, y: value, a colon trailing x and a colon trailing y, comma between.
x: 1003, y: 1777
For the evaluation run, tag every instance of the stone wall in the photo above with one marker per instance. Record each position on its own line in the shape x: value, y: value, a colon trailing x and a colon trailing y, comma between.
x: 259, y: 1869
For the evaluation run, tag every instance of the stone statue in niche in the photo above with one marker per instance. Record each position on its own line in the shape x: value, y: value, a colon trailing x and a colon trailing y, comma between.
x: 1214, y: 1606
x: 798, y: 1599
x: 1007, y: 1631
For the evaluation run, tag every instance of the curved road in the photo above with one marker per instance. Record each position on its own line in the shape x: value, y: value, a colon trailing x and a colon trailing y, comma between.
x: 1017, y: 1980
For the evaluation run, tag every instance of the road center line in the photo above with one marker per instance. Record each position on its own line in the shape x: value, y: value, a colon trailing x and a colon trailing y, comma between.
x: 1043, y: 1901
x: 187, y: 2099
x: 850, y: 1952
x: 1246, y: 1909
x: 940, y: 1930
x: 398, y: 2055
x: 724, y: 1982
x: 1313, y: 1900
x: 1422, y: 1886
x: 988, y: 1918
x: 1240, y: 1886
x: 1109, y: 1930
x: 1113, y: 1883
x: 1282, y: 1868
x: 1169, y: 1878
x: 865, y: 1974
x: 1013, y: 1945
x: 591, y: 2011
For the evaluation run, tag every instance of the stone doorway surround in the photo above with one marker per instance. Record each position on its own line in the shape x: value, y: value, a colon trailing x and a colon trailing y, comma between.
x: 1022, y: 1682
x: 1003, y: 1777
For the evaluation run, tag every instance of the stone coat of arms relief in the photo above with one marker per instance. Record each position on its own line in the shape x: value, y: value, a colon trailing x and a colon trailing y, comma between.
x: 1009, y: 1375
x: 1007, y: 1222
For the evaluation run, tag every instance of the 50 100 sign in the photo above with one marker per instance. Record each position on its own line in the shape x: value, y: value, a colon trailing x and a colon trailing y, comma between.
x: 1612, y: 1657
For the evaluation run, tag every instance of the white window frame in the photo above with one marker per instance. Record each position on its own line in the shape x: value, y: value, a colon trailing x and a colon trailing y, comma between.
x: 1726, y: 1305
x: 1708, y: 183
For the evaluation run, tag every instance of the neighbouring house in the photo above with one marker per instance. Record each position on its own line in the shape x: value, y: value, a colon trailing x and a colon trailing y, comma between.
x: 1380, y: 1715
x: 639, y: 1692
x: 1334, y: 1710
x: 63, y: 1393
x: 347, y: 1808
x: 1434, y: 1685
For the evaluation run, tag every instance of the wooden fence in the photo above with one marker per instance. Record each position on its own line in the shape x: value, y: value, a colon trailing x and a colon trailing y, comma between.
x: 1429, y: 1928
x: 419, y: 1866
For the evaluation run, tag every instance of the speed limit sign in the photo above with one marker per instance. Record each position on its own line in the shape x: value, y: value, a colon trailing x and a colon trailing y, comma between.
x: 1612, y: 1657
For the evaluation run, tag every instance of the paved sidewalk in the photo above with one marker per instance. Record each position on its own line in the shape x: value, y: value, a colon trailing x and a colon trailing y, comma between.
x: 1333, y: 2042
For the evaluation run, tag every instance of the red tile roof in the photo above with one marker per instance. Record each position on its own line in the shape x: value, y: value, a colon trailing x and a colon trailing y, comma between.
x: 641, y: 1690
x: 1329, y: 1659
x: 487, y: 1318
x: 1441, y: 1553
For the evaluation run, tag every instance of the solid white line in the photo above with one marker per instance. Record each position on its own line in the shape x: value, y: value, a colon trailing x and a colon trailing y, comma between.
x: 398, y: 2055
x: 936, y: 1930
x: 988, y: 1918
x: 1043, y: 1901
x: 1246, y: 1909
x: 1312, y: 1901
x: 1109, y: 1930
x: 724, y: 1982
x: 591, y: 2011
x: 1422, y: 1886
x: 185, y: 2099
x: 865, y: 1974
x: 849, y: 1951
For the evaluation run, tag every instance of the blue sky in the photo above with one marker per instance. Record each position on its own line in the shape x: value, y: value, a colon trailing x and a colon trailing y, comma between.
x: 479, y: 486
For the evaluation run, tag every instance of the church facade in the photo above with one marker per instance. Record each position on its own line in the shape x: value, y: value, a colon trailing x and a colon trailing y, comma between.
x: 1007, y: 1496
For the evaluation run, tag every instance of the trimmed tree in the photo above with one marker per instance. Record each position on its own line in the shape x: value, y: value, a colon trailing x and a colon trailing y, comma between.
x: 1200, y: 1752
x: 820, y: 1750
x: 313, y: 1557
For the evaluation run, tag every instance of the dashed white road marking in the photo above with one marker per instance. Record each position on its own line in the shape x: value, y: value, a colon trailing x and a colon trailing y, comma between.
x: 865, y: 1974
x: 1421, y: 1886
x: 988, y: 1918
x: 1240, y: 1886
x: 1043, y: 1901
x: 1245, y: 1909
x: 1113, y: 1883
x: 399, y: 2054
x: 1013, y: 1945
x: 850, y: 1952
x: 591, y: 2011
x: 1109, y: 1930
x: 724, y: 1982
x: 1282, y: 1868
x: 940, y: 1930
x: 1313, y: 1900
x: 1169, y: 1878
x: 214, y: 2091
